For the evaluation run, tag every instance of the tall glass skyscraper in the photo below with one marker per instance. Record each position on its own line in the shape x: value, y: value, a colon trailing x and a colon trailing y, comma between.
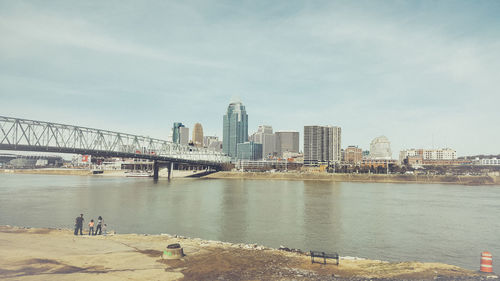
x: 235, y: 128
x: 175, y: 132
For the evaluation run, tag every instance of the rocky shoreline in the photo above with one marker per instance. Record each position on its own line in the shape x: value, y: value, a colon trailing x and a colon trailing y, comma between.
x: 56, y: 254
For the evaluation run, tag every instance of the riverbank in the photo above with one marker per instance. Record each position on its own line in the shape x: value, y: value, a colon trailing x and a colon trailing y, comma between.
x: 56, y: 254
x: 380, y: 178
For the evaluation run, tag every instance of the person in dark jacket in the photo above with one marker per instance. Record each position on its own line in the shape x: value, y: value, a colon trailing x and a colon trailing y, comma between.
x: 79, y: 224
x: 98, y: 229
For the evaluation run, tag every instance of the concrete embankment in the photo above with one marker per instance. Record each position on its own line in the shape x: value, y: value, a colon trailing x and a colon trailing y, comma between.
x: 56, y: 254
x: 392, y: 178
x: 49, y: 171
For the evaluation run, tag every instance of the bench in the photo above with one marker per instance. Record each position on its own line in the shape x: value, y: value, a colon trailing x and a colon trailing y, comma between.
x: 324, y: 256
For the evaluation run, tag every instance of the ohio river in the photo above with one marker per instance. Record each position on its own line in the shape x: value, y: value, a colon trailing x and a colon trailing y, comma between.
x: 395, y: 222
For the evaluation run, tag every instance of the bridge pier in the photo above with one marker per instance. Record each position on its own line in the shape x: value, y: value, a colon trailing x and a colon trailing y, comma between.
x: 170, y: 169
x: 156, y: 169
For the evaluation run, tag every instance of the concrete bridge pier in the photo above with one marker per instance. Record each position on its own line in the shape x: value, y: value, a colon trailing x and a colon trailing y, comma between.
x: 170, y: 169
x: 156, y: 169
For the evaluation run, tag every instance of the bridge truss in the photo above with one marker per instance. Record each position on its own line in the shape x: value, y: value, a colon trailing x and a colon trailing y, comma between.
x: 31, y: 135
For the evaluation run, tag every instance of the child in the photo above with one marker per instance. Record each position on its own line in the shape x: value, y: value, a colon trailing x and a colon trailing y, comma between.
x: 91, y: 227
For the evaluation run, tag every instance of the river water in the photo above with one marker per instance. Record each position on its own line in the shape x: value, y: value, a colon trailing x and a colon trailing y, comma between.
x: 394, y: 222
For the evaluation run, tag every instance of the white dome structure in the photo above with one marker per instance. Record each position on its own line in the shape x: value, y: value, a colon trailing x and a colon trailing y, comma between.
x: 380, y: 148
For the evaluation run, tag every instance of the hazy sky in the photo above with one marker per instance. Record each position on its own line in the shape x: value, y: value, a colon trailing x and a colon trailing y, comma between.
x: 423, y: 73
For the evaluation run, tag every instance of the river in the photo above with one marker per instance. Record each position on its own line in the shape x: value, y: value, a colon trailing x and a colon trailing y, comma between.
x: 395, y: 222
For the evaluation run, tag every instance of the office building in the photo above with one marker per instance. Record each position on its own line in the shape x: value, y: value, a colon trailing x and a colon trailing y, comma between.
x: 215, y: 146
x: 489, y: 161
x: 265, y: 136
x: 287, y: 141
x: 207, y: 140
x: 183, y: 136
x: 249, y: 151
x: 198, y: 135
x: 380, y: 149
x: 175, y: 132
x: 353, y: 154
x: 427, y: 156
x: 235, y: 128
x: 322, y: 145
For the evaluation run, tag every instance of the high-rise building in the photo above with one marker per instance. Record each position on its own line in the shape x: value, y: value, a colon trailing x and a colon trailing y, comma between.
x: 183, y: 136
x: 265, y: 136
x: 287, y: 141
x: 322, y: 145
x: 235, y: 123
x: 249, y: 151
x: 380, y: 149
x: 198, y: 135
x: 353, y: 154
x: 176, y: 132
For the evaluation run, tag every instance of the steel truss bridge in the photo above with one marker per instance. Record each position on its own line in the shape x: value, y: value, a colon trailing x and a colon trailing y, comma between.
x: 32, y: 135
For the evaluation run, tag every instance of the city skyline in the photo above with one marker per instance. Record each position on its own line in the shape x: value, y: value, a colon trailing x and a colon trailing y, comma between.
x: 420, y: 73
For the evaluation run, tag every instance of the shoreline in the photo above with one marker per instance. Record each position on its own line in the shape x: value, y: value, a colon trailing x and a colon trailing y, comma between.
x: 293, y: 176
x: 57, y: 254
x: 368, y: 178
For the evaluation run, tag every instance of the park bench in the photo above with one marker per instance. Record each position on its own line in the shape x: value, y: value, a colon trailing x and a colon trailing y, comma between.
x: 324, y: 256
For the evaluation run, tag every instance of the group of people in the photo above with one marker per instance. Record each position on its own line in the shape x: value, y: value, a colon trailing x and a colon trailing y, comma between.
x: 100, y: 228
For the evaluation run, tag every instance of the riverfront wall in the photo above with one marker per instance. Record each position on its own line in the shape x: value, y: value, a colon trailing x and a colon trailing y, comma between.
x: 391, y: 178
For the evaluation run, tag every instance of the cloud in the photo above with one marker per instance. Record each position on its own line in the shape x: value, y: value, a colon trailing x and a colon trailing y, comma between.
x: 24, y: 35
x: 372, y: 67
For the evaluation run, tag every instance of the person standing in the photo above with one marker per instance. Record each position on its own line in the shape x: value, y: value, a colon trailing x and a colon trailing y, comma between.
x: 98, y: 229
x: 91, y: 227
x: 79, y: 224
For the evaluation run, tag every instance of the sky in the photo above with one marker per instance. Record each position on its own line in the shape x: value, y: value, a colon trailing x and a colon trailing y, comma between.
x: 425, y: 74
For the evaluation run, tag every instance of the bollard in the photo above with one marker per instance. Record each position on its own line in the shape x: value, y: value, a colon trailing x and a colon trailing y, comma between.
x: 173, y: 251
x: 486, y: 262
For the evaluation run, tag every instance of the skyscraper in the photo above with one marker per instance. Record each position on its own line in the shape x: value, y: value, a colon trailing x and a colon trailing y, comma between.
x: 287, y: 141
x: 265, y: 136
x: 176, y: 132
x: 249, y: 151
x: 235, y: 123
x: 183, y: 136
x: 198, y: 135
x: 322, y: 145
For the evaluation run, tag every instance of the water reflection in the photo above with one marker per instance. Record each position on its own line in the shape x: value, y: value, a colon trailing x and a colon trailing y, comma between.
x: 233, y: 212
x: 322, y: 213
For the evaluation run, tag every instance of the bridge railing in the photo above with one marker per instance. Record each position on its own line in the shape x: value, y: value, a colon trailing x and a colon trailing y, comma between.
x: 24, y: 134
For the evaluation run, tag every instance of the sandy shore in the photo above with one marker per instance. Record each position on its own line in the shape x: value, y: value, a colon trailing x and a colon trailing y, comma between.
x: 55, y: 254
x: 392, y: 178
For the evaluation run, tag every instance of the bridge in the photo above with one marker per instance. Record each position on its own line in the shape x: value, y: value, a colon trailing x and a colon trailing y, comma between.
x: 31, y: 135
